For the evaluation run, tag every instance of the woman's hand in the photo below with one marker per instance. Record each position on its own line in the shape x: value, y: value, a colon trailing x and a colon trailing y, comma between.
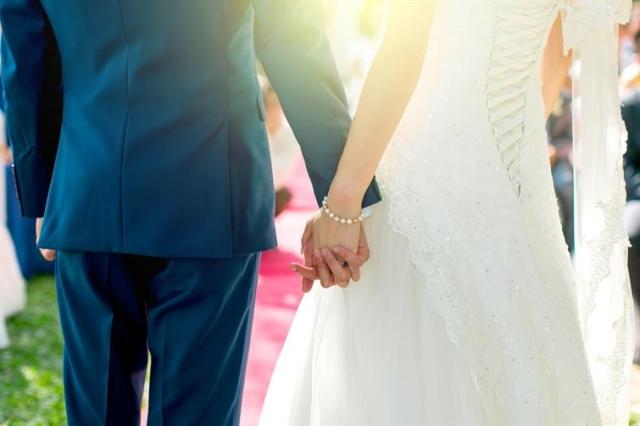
x: 328, y: 234
x: 328, y: 263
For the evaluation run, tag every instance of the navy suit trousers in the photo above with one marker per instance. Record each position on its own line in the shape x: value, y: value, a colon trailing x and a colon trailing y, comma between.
x: 192, y: 315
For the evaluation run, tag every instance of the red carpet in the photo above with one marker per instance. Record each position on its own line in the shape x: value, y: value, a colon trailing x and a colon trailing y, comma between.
x: 278, y: 297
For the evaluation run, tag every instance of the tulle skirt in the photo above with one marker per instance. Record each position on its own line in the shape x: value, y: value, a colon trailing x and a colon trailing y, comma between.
x: 373, y: 354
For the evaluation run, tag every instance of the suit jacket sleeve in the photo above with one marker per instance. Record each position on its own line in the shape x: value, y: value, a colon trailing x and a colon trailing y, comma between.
x: 294, y: 50
x: 31, y: 77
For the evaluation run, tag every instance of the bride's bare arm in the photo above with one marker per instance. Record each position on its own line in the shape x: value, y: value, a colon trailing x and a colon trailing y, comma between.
x: 555, y: 67
x: 388, y: 88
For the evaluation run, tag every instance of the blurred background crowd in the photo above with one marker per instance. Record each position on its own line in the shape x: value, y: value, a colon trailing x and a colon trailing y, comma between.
x: 30, y: 342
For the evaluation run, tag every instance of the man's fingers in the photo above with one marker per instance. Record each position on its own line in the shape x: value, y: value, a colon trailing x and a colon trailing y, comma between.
x: 306, y: 236
x: 308, y: 255
x: 323, y: 270
x: 49, y: 255
x: 340, y: 273
x: 305, y: 271
x: 307, y: 285
x: 38, y: 229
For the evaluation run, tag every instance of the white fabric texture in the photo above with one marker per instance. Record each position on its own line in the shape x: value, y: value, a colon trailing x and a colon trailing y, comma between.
x: 468, y: 312
x: 604, y: 293
x: 12, y: 286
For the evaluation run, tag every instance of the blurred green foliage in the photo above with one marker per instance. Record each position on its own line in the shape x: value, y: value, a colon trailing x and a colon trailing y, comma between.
x: 31, y: 369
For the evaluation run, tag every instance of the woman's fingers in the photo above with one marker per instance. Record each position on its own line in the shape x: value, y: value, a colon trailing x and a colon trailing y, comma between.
x: 329, y: 265
x: 349, y: 256
x: 353, y: 261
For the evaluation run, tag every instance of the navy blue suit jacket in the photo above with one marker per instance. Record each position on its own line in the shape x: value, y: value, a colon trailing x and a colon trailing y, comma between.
x: 137, y: 126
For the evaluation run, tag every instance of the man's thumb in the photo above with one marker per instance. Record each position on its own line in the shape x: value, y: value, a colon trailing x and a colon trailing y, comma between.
x: 49, y: 255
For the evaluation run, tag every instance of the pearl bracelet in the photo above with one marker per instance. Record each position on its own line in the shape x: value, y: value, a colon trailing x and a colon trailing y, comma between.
x: 335, y: 217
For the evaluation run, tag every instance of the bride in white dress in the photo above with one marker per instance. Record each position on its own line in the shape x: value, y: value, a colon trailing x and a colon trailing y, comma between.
x: 469, y: 311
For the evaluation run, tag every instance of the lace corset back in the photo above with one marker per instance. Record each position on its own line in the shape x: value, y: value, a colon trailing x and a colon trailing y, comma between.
x: 517, y: 42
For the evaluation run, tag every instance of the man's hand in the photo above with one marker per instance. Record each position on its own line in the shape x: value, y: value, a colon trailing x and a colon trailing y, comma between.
x: 320, y: 264
x: 5, y: 154
x: 49, y: 255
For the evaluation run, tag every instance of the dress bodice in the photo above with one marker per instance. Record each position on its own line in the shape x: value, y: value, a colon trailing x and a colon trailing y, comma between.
x: 496, y: 47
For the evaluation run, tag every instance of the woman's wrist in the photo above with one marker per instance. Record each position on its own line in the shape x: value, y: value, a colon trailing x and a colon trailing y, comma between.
x: 345, y: 198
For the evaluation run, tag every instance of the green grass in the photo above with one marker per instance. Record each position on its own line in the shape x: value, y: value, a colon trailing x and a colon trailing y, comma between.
x: 31, y: 369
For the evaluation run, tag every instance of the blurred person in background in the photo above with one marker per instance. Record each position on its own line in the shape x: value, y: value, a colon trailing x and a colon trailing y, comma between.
x: 12, y: 285
x: 560, y: 133
x: 626, y: 34
x: 630, y: 75
x: 630, y: 87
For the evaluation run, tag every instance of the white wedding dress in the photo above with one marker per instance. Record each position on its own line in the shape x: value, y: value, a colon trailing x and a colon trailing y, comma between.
x: 469, y: 311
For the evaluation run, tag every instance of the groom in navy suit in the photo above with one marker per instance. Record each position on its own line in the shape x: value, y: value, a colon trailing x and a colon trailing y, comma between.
x: 138, y: 134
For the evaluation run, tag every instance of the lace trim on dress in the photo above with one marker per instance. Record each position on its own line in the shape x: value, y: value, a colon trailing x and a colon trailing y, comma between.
x: 604, y: 295
x: 580, y: 17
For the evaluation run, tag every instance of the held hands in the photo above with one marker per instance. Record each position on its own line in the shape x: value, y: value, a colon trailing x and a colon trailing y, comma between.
x: 333, y: 252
